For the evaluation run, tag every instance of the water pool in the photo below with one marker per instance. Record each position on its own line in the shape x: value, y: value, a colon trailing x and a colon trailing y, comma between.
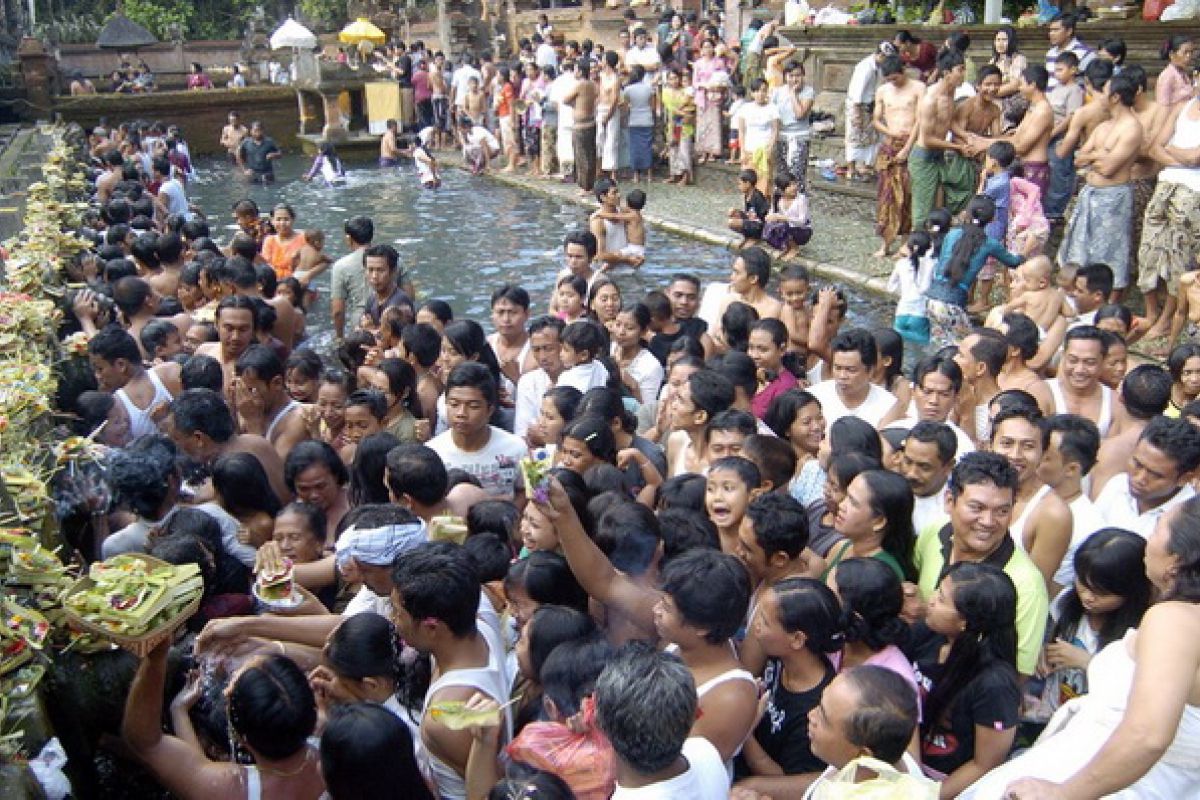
x: 461, y: 241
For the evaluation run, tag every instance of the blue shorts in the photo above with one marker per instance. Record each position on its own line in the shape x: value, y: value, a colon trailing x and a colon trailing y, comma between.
x: 912, y: 329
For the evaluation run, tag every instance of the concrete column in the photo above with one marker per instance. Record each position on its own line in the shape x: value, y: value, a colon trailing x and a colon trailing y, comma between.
x: 334, y: 130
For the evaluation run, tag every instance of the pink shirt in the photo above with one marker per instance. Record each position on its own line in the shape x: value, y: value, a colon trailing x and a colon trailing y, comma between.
x: 762, y: 401
x: 1172, y: 87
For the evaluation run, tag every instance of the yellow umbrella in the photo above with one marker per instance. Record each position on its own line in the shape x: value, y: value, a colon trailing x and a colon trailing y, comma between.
x: 362, y: 30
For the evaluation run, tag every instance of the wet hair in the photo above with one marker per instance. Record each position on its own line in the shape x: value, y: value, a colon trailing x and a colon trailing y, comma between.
x: 367, y: 469
x: 566, y: 400
x: 1105, y: 564
x: 547, y: 579
x: 568, y: 673
x: 272, y: 707
x: 585, y: 239
x: 1099, y: 72
x: 311, y: 453
x: 1036, y: 75
x: 890, y: 345
x: 887, y: 712
x: 855, y: 435
x: 739, y: 368
x: 417, y: 471
x: 774, y: 457
x: 596, y: 435
x: 809, y: 606
x: 551, y: 626
x: 242, y: 483
x: 856, y: 340
x: 1115, y: 47
x: 437, y: 580
x: 367, y: 751
x: 732, y: 420
x: 114, y: 342
x: 261, y: 361
x: 683, y: 492
x: 1097, y: 278
x: 990, y: 349
x: 205, y: 411
x: 1146, y: 391
x: 423, y: 343
x: 606, y: 403
x: 440, y: 309
x: 1177, y: 439
x: 872, y: 599
x: 780, y: 524
x: 373, y: 401
x: 758, y: 265
x: 711, y: 591
x: 1179, y: 357
x: 490, y: 554
x: 467, y: 337
x: 155, y: 334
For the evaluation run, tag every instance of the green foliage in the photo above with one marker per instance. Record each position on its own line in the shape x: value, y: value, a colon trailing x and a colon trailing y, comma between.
x: 158, y: 16
x: 322, y: 14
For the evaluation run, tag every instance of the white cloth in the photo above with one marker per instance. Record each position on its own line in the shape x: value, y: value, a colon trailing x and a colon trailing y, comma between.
x: 878, y: 403
x: 1085, y: 521
x: 530, y: 389
x: 608, y: 138
x: 648, y: 372
x: 177, y: 202
x: 1117, y: 507
x: 910, y: 285
x: 1016, y: 528
x: 560, y: 88
x: 704, y: 779
x: 460, y: 80
x: 545, y: 56
x: 584, y: 376
x: 140, y: 421
x: 1104, y: 422
x: 1186, y: 137
x: 378, y: 546
x: 367, y: 602
x: 863, y: 81
x: 494, y: 464
x: 930, y: 511
x: 1082, y: 726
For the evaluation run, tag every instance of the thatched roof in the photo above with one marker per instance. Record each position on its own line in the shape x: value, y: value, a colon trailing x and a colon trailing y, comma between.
x: 122, y: 33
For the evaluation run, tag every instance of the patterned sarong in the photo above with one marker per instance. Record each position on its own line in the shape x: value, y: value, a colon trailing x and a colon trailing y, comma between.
x: 1100, y: 230
x: 893, y: 199
x: 1170, y: 237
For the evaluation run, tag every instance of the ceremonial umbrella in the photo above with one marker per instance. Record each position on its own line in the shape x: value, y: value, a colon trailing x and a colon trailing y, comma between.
x: 122, y: 33
x: 362, y: 30
x: 293, y: 34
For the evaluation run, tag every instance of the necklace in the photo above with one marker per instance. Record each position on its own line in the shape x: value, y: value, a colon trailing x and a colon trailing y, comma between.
x: 280, y: 773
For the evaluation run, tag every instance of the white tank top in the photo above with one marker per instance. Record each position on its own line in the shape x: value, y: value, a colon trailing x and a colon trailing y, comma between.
x: 140, y: 422
x: 1060, y: 405
x: 283, y: 412
x: 614, y: 236
x: 1186, y: 136
x: 1017, y: 526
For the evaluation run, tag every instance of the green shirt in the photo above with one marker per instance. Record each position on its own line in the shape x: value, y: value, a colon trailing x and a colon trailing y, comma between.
x: 932, y: 555
x: 844, y: 551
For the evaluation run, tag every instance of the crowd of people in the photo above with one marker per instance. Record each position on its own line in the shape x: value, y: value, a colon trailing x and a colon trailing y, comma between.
x: 701, y: 540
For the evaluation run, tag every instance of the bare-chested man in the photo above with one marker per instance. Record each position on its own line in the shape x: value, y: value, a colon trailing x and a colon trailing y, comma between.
x: 232, y: 135
x: 748, y: 283
x: 236, y: 324
x: 440, y: 97
x: 608, y: 115
x: 936, y: 158
x: 582, y: 100
x: 1101, y: 226
x: 895, y: 117
x: 1144, y: 394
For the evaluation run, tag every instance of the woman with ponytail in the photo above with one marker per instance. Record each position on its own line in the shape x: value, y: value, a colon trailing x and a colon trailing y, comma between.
x: 872, y: 599
x: 964, y: 252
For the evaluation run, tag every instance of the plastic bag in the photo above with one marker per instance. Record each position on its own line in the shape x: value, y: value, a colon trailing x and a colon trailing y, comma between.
x: 795, y: 12
x: 48, y: 769
x: 889, y: 784
x: 585, y: 761
x: 1184, y: 9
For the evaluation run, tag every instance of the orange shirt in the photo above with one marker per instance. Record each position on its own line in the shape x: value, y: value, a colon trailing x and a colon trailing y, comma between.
x: 282, y: 255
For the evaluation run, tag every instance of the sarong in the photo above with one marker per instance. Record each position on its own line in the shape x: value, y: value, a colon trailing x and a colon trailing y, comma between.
x: 584, y: 137
x: 1170, y: 236
x: 680, y: 155
x: 861, y: 137
x: 1100, y: 229
x: 893, y: 199
x: 708, y: 131
x: 549, y: 148
x: 1143, y: 190
x: 441, y: 113
x: 641, y: 148
x: 792, y: 155
x: 948, y: 323
x: 1038, y: 172
x: 532, y: 136
x: 608, y: 139
x: 781, y: 235
x: 566, y: 147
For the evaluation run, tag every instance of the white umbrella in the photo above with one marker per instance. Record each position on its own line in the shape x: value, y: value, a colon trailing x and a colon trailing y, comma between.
x: 293, y: 34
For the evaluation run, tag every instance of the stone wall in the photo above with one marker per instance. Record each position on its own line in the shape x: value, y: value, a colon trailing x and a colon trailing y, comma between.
x: 201, y: 115
x: 164, y: 58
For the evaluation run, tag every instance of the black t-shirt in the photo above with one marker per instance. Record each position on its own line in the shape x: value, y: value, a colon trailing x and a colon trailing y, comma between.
x: 992, y: 700
x: 375, y: 309
x: 660, y: 343
x: 783, y: 730
x: 405, y: 65
x: 758, y: 203
x: 254, y: 154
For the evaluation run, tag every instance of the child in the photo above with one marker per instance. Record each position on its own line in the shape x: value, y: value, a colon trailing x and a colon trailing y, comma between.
x: 396, y: 380
x: 909, y: 280
x: 731, y: 117
x: 732, y: 483
x: 313, y: 261
x: 768, y: 343
x: 796, y: 312
x: 994, y: 182
x: 290, y: 289
x: 1035, y: 296
x: 1108, y: 598
x: 586, y: 442
x: 328, y: 165
x: 787, y: 226
x: 749, y: 220
x: 635, y: 226
x: 1065, y: 99
x: 569, y: 294
x: 1116, y: 360
x: 364, y: 414
x: 583, y: 342
x: 1187, y: 313
x: 1028, y: 228
x: 425, y: 162
x: 937, y: 225
x: 1184, y: 366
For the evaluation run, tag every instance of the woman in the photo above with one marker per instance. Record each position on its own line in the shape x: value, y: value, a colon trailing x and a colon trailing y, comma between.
x: 367, y: 470
x: 679, y: 119
x: 314, y: 473
x: 366, y: 752
x: 199, y: 78
x: 1137, y: 733
x: 606, y: 404
x: 271, y: 713
x: 282, y: 249
x: 709, y: 75
x: 464, y: 340
x: 642, y: 101
x: 300, y: 535
x: 795, y: 416
x: 1174, y: 84
x: 872, y: 599
x: 604, y: 301
x: 242, y: 489
x: 1011, y: 64
x: 641, y: 372
x: 875, y: 517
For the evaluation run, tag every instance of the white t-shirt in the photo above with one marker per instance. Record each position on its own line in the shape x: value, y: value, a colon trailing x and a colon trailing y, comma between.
x: 545, y: 56
x: 584, y: 376
x: 1118, y: 508
x: 758, y: 120
x: 459, y: 81
x: 530, y: 389
x: 705, y: 779
x: 177, y: 202
x: 648, y: 372
x: 479, y: 135
x: 878, y: 403
x: 1085, y: 521
x: 494, y: 464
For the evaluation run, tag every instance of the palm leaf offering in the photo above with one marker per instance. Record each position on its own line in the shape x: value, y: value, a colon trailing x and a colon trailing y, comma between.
x: 447, y: 528
x: 131, y: 595
x: 455, y: 715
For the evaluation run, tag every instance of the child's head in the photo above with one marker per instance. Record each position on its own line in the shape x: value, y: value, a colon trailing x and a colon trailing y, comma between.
x: 1066, y: 65
x: 732, y: 483
x: 549, y: 627
x: 585, y: 442
x: 794, y: 282
x: 919, y: 243
x: 1106, y: 584
x: 302, y: 375
x: 569, y: 295
x: 493, y: 516
x: 726, y: 433
x: 1116, y: 359
x: 557, y: 409
x: 768, y: 343
x: 937, y: 224
x: 981, y: 210
x: 391, y: 325
x: 436, y: 313
x: 544, y: 578
x: 291, y: 290
x: 315, y: 238
x: 786, y: 185
x: 1001, y: 155
x: 636, y: 199
x: 364, y: 414
x: 747, y: 179
x: 1034, y: 274
x: 582, y: 342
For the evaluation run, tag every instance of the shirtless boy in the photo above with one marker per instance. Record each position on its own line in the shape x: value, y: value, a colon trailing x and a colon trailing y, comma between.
x: 980, y: 115
x: 796, y: 312
x: 582, y: 100
x: 1187, y: 312
x: 748, y: 283
x: 895, y: 118
x: 232, y: 135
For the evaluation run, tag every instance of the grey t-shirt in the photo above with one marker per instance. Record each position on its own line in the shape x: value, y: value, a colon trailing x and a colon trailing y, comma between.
x: 640, y: 96
x: 788, y: 123
x: 348, y: 282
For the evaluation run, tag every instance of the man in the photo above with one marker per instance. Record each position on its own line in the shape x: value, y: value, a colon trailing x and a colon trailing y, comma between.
x: 202, y: 426
x: 510, y: 342
x: 237, y: 323
x: 1092, y: 286
x: 116, y: 362
x: 1101, y: 225
x: 1061, y: 33
x: 421, y: 346
x: 114, y: 173
x: 579, y: 252
x: 262, y: 403
x: 389, y: 145
x: 1069, y: 458
x: 646, y: 705
x: 440, y: 98
x: 643, y: 54
x: 171, y: 198
x: 544, y: 348
x: 386, y: 284
x: 925, y: 462
x: 1031, y: 138
x: 608, y: 115
x: 1042, y: 522
x: 417, y: 480
x: 581, y: 98
x: 1145, y: 180
x: 348, y: 282
x: 860, y: 97
x: 982, y: 490
x: 748, y: 279
x: 850, y: 392
x: 980, y: 114
x: 771, y: 540
x: 936, y: 158
x: 612, y: 244
x: 246, y: 283
x: 1144, y: 395
x: 564, y: 136
x: 937, y: 383
x: 1158, y: 477
x: 232, y: 135
x: 488, y: 453
x: 981, y: 357
x: 1077, y: 389
x: 459, y: 82
x: 895, y: 119
x: 866, y: 711
x: 693, y: 405
x: 257, y: 155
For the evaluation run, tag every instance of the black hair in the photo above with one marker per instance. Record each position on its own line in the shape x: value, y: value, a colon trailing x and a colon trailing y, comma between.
x: 551, y: 626
x: 568, y: 673
x: 892, y: 499
x: 596, y: 435
x: 856, y: 340
x: 202, y: 372
x: 783, y: 410
x: 872, y: 599
x: 739, y: 368
x: 114, y: 342
x: 440, y: 309
x: 1146, y: 391
x: 139, y: 474
x: 467, y: 337
x: 774, y: 457
x: 980, y: 211
x: 606, y: 403
x: 684, y: 530
x: 438, y: 580
x: 367, y: 751
x: 417, y: 471
x: 1098, y: 278
x: 1173, y: 43
x: 780, y: 524
x: 306, y: 362
x: 402, y: 382
x: 272, y: 706
x: 370, y: 399
x: 1115, y: 47
x: 937, y: 433
x: 585, y: 239
x: 473, y: 375
x: 982, y: 468
x: 1099, y: 72
x: 683, y: 492
x: 586, y: 336
x: 547, y: 579
x: 367, y: 469
x: 205, y: 411
x: 1179, y: 357
x: 809, y: 606
x: 310, y: 453
x: 260, y: 360
x: 242, y: 483
x: 490, y: 554
x: 711, y: 591
x: 423, y: 343
x: 1037, y: 75
x: 744, y: 468
x: 1022, y: 334
x: 711, y: 392
x: 493, y: 516
x: 855, y: 435
x: 1105, y: 564
x: 1177, y: 439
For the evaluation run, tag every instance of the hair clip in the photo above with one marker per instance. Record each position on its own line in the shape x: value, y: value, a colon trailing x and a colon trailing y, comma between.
x: 589, y: 437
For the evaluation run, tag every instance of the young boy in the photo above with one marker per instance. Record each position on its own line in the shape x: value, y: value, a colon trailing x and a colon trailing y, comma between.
x: 582, y: 343
x: 731, y: 484
x: 1187, y: 312
x: 313, y: 261
x: 693, y: 405
x: 748, y: 221
x: 994, y: 182
x: 1065, y: 99
x: 635, y: 226
x: 796, y: 314
x: 731, y: 116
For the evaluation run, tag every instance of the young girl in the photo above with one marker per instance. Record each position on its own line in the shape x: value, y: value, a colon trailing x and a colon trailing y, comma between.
x: 787, y: 225
x: 586, y: 442
x: 282, y: 248
x: 798, y: 625
x: 1028, y: 228
x: 766, y: 347
x: 582, y: 344
x: 795, y: 416
x: 1108, y: 598
x: 328, y: 165
x: 641, y: 372
x: 397, y: 380
x: 425, y: 161
x: 963, y: 254
x: 542, y: 578
x: 302, y: 376
x: 364, y: 415
x: 968, y: 670
x: 875, y: 517
x: 557, y: 409
x: 909, y: 280
x: 436, y: 313
x: 889, y: 368
x: 1184, y: 366
x: 732, y: 483
x: 570, y: 294
x: 737, y: 103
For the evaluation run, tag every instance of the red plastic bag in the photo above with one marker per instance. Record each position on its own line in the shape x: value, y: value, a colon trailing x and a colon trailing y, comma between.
x: 1153, y: 9
x: 585, y: 761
